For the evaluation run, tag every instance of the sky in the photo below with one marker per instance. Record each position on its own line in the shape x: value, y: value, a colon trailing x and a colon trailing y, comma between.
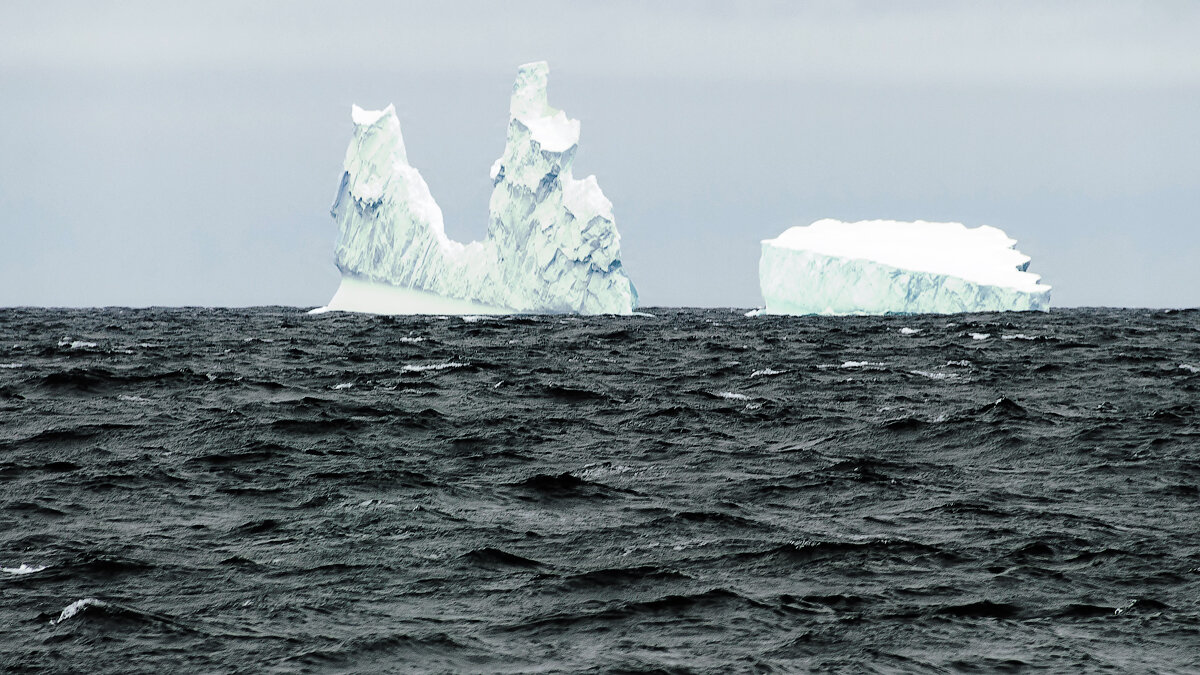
x: 159, y: 153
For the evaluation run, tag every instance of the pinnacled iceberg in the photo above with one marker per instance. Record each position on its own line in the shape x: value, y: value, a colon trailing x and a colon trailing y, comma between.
x: 881, y: 267
x: 552, y: 245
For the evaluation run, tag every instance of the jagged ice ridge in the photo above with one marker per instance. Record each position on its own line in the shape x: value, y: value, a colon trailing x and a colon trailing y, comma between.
x: 552, y: 245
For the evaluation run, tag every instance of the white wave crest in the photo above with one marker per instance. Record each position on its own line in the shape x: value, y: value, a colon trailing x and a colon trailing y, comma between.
x: 936, y: 376
x: 75, y: 608
x: 419, y: 368
x: 861, y: 364
x: 23, y: 569
x: 70, y: 343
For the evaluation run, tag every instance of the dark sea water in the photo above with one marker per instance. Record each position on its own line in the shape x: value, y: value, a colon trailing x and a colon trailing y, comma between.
x: 265, y: 491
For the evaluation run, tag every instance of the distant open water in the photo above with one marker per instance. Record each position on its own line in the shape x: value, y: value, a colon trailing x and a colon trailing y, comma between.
x: 259, y: 490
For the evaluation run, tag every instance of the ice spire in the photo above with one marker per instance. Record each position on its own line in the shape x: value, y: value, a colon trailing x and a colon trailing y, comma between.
x: 529, y: 97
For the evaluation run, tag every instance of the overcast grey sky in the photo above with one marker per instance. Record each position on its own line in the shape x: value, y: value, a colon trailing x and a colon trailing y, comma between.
x: 171, y: 153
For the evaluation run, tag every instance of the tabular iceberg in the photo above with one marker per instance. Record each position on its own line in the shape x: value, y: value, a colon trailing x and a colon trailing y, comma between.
x: 552, y: 245
x: 881, y: 267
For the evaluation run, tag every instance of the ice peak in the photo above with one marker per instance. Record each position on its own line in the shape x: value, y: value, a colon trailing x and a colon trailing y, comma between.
x: 380, y: 131
x: 529, y: 92
x: 550, y: 127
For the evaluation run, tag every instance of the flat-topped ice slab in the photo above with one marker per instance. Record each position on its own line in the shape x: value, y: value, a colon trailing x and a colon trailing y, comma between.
x: 883, y: 266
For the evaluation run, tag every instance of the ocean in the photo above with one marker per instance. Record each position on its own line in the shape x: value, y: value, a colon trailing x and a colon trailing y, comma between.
x: 693, y: 491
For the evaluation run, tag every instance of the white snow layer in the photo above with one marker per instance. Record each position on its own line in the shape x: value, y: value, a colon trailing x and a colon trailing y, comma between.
x: 552, y: 245
x: 884, y: 266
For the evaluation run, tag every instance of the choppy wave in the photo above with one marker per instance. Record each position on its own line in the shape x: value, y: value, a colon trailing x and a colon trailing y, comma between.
x: 75, y: 608
x: 22, y: 569
x: 683, y: 491
x: 423, y: 367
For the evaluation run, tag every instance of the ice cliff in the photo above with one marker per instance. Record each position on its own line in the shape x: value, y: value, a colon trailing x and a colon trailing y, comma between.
x: 552, y: 245
x: 880, y: 267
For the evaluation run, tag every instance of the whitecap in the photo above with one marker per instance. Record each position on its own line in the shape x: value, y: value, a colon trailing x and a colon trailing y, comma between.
x: 600, y: 469
x: 132, y: 399
x: 415, y: 368
x: 980, y: 336
x: 11, y: 366
x: 1017, y: 336
x: 411, y: 340
x: 75, y: 344
x: 75, y: 608
x: 767, y: 372
x: 961, y: 364
x: 343, y: 385
x: 23, y: 569
x: 860, y: 364
x: 733, y: 396
x: 690, y: 543
x: 1189, y: 367
x: 936, y: 376
x: 909, y: 331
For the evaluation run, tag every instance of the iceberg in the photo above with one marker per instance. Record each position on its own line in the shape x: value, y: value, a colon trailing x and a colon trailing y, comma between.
x: 883, y: 266
x: 552, y: 245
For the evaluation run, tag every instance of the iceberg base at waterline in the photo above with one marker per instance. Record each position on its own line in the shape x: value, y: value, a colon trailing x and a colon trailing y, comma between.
x: 890, y: 267
x: 356, y: 294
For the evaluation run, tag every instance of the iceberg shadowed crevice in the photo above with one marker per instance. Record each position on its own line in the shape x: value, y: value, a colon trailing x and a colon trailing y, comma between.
x: 552, y: 244
x: 882, y: 267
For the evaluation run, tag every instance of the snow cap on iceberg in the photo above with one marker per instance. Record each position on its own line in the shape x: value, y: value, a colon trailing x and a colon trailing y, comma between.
x: 883, y: 266
x: 368, y: 117
x: 552, y: 245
